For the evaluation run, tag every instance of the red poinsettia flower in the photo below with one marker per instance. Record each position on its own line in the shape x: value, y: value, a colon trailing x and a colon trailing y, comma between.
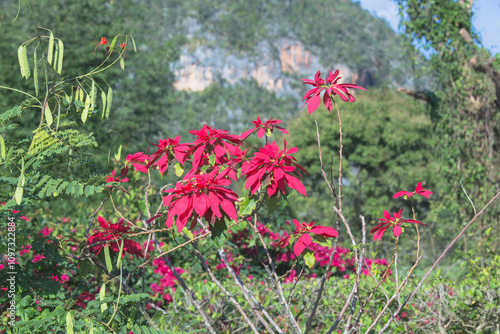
x: 395, y: 222
x: 304, y: 240
x: 168, y: 149
x: 419, y: 191
x: 84, y: 297
x: 203, y: 194
x: 272, y: 167
x: 262, y: 129
x: 112, y: 178
x: 138, y: 160
x: 211, y: 141
x: 110, y: 232
x: 331, y: 88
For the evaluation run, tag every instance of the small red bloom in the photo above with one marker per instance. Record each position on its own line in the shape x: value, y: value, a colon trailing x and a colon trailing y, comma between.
x: 110, y: 232
x: 304, y: 240
x: 103, y: 41
x: 272, y: 167
x: 112, y: 178
x: 203, y: 193
x: 84, y: 297
x: 261, y: 129
x: 46, y: 231
x: 331, y: 88
x: 395, y: 222
x: 419, y: 190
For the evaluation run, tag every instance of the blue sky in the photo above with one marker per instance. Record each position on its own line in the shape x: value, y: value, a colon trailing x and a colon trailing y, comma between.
x: 486, y: 18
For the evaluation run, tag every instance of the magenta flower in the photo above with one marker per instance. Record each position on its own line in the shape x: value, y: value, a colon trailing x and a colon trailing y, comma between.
x: 395, y: 222
x: 262, y: 129
x: 211, y: 141
x: 331, y: 88
x: 203, y: 194
x: 138, y: 160
x: 168, y: 149
x: 304, y: 240
x: 419, y: 191
x: 272, y: 168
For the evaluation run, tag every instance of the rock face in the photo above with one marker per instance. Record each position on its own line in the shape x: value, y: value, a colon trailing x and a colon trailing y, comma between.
x: 273, y: 67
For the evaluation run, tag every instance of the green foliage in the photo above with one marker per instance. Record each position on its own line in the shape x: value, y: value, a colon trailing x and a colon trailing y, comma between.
x: 464, y: 112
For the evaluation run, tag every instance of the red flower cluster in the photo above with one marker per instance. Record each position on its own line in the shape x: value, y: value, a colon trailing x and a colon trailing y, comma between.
x: 202, y: 193
x: 110, y: 232
x: 211, y: 141
x: 395, y: 222
x: 331, y: 88
x: 168, y: 149
x: 272, y: 167
x: 263, y: 129
x: 304, y: 240
x: 419, y: 190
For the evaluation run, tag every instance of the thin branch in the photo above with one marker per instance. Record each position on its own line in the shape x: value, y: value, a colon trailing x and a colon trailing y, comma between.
x: 437, y: 261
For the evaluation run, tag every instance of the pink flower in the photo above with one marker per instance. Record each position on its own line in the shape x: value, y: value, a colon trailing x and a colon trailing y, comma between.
x: 304, y: 239
x: 138, y: 160
x: 37, y: 258
x: 395, y: 222
x: 66, y: 220
x: 203, y: 194
x: 263, y: 129
x: 331, y: 88
x: 272, y: 168
x: 419, y: 190
x: 168, y: 150
x: 46, y: 231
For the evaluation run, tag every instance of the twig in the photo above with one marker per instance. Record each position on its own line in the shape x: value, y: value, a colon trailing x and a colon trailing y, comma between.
x: 281, y: 295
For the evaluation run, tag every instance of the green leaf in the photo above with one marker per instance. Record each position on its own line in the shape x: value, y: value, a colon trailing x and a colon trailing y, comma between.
x: 119, y: 260
x: 122, y: 63
x: 2, y: 147
x: 18, y: 195
x: 217, y: 230
x: 48, y: 114
x: 7, y: 159
x: 102, y: 295
x: 22, y: 54
x: 61, y: 55
x: 86, y: 109
x: 112, y: 45
x: 69, y: 323
x: 247, y: 206
x: 35, y: 72
x: 50, y: 52
x: 109, y: 264
x: 119, y: 153
x: 211, y: 159
x: 92, y: 97
x: 178, y: 169
x: 133, y: 43
x: 187, y: 232
x: 109, y: 101
x: 309, y: 258
x: 103, y: 97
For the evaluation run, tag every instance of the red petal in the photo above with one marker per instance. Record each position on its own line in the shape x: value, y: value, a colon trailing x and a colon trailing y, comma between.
x: 397, y: 230
x: 298, y: 248
x: 325, y: 231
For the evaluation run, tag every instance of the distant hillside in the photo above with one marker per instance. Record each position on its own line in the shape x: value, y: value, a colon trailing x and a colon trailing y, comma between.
x: 270, y: 41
